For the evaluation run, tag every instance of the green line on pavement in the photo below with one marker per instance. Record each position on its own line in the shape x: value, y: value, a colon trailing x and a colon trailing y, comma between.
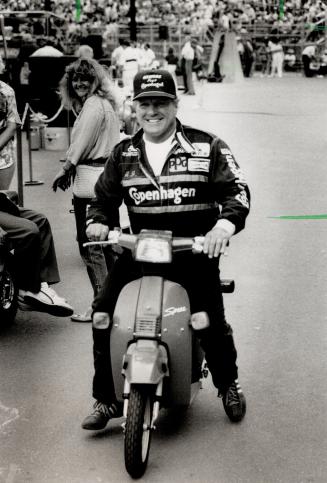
x: 300, y: 217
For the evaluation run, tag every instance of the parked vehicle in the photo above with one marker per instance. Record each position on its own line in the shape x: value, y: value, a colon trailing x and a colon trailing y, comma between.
x: 152, y: 342
x: 8, y: 288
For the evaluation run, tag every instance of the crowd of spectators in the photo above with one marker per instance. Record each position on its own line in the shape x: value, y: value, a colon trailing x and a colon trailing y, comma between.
x: 194, y: 17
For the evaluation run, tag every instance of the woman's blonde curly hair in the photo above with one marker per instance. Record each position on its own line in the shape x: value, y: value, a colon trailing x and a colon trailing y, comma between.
x: 101, y: 84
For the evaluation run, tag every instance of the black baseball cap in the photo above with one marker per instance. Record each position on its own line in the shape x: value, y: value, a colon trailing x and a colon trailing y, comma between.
x: 154, y: 83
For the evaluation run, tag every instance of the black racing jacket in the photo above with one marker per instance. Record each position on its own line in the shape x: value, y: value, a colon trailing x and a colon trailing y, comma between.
x: 199, y: 183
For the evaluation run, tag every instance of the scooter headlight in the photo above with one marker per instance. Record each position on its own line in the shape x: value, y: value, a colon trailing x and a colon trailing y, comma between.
x: 153, y: 247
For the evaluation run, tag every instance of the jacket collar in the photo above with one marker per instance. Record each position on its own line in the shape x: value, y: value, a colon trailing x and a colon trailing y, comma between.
x: 180, y: 137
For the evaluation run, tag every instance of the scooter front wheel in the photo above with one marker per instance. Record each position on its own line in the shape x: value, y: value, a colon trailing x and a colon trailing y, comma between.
x: 138, y: 430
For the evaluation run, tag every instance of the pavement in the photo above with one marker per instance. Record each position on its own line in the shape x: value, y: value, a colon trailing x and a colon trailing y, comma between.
x: 277, y: 130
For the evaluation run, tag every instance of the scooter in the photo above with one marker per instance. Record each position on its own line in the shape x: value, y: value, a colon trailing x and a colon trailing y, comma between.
x: 152, y: 341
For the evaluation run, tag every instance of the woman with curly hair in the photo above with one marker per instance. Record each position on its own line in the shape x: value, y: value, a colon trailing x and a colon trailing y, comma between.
x: 87, y: 90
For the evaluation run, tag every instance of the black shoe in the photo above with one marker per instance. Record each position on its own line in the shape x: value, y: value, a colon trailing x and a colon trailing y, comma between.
x: 234, y: 402
x: 101, y: 415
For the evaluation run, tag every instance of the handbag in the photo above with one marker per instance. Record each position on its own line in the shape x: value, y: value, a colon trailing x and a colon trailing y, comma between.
x: 85, y: 179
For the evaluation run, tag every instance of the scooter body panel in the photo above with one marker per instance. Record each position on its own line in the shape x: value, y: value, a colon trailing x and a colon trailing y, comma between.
x: 122, y: 331
x: 143, y: 303
x: 177, y: 336
x: 137, y: 312
x: 146, y: 362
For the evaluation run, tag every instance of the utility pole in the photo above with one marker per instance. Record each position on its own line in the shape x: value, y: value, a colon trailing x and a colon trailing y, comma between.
x: 132, y: 25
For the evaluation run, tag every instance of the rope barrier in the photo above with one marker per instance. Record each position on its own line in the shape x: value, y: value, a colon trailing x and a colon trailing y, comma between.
x: 38, y: 116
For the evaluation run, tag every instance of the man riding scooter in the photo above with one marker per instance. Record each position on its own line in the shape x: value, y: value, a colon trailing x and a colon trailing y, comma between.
x: 171, y: 177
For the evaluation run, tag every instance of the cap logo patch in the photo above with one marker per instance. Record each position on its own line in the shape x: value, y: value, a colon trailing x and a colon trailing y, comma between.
x: 152, y: 84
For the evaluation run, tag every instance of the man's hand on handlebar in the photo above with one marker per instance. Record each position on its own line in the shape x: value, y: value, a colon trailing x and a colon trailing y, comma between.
x: 216, y: 241
x: 97, y: 232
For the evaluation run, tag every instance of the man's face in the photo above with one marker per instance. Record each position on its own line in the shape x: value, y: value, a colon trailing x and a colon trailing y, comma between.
x: 157, y: 117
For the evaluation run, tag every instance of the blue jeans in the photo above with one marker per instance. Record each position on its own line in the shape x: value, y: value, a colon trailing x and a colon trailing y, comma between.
x: 97, y: 260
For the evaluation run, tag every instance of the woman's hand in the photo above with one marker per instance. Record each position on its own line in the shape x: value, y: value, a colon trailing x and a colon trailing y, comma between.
x: 64, y: 178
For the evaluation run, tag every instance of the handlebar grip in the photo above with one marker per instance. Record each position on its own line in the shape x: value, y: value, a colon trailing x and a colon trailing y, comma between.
x: 199, y: 240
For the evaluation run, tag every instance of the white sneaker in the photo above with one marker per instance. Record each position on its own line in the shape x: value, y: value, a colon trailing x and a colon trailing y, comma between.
x: 46, y: 300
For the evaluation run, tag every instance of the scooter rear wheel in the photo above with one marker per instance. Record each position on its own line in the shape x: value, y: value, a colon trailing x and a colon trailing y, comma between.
x: 138, y: 430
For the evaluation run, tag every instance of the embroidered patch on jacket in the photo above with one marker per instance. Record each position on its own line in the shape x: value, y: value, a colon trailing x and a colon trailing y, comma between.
x: 129, y: 174
x: 236, y: 170
x: 198, y: 164
x: 225, y: 151
x: 176, y: 195
x: 178, y: 164
x: 202, y: 149
x: 131, y: 151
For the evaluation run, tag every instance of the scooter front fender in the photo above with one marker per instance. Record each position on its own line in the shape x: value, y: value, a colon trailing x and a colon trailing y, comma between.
x: 145, y: 362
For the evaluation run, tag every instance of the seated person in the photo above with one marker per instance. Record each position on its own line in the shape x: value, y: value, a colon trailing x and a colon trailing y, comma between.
x: 35, y: 261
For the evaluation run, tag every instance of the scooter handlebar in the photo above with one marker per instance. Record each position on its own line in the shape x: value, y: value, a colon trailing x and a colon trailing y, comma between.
x: 115, y: 237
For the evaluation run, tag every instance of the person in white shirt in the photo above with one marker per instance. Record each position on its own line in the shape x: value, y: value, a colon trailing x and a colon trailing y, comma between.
x: 187, y: 54
x: 116, y: 58
x: 277, y: 55
x: 130, y: 61
x: 148, y: 57
x: 207, y: 194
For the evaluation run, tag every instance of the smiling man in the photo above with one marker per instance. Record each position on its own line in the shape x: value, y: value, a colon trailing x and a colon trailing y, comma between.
x: 177, y: 178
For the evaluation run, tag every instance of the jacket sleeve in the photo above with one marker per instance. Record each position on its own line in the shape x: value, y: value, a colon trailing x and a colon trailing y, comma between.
x: 230, y: 189
x: 104, y: 208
